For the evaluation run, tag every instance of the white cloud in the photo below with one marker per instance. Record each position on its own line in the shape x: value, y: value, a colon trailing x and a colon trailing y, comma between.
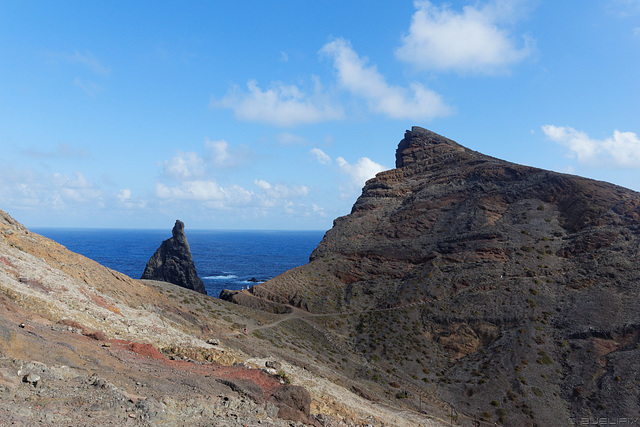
x: 236, y: 195
x: 219, y: 151
x: 201, y: 190
x: 321, y: 156
x: 363, y: 170
x: 223, y: 155
x: 76, y: 189
x: 416, y: 103
x: 470, y: 41
x: 187, y: 181
x: 124, y: 195
x: 28, y: 189
x: 278, y: 194
x: 189, y: 166
x: 215, y: 196
x: 184, y: 166
x: 280, y: 105
x: 126, y: 200
x: 284, y: 198
x: 284, y: 191
x: 264, y: 185
x: 318, y: 210
x: 621, y: 150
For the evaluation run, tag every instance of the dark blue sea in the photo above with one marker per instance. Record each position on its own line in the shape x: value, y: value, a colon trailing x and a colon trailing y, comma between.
x: 223, y: 259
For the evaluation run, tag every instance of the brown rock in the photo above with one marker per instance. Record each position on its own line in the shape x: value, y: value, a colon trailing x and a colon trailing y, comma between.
x: 506, y: 277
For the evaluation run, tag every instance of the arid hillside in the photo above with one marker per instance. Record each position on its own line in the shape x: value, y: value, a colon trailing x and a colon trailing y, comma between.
x: 508, y: 292
x: 81, y: 344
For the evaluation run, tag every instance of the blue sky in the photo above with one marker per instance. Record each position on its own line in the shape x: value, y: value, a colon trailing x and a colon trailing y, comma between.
x: 271, y: 115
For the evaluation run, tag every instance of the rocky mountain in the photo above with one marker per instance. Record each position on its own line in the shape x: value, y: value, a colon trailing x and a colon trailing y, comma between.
x: 506, y: 293
x: 172, y: 262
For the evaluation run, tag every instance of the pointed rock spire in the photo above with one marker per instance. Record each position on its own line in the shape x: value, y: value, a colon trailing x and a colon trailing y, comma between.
x: 173, y: 262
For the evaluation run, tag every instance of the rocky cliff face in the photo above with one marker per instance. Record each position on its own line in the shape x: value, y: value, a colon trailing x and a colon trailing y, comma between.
x: 510, y: 292
x: 173, y: 263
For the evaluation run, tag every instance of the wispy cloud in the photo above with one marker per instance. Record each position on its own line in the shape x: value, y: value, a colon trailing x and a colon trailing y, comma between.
x: 475, y: 40
x: 90, y: 88
x: 624, y: 8
x: 219, y: 154
x: 208, y: 193
x: 90, y: 61
x: 270, y: 193
x: 321, y: 156
x: 33, y: 190
x: 287, y: 138
x: 127, y: 201
x: 416, y: 103
x: 202, y: 190
x: 76, y: 189
x: 279, y: 105
x: 86, y: 59
x: 62, y: 151
x: 191, y: 180
x: 622, y: 150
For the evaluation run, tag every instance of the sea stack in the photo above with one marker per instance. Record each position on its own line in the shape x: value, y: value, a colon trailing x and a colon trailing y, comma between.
x: 173, y: 262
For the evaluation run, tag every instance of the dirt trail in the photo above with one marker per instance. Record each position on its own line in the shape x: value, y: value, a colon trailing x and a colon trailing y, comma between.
x: 297, y: 313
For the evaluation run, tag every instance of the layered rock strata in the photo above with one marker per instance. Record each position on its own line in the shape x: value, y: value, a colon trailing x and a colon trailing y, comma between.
x: 508, y: 291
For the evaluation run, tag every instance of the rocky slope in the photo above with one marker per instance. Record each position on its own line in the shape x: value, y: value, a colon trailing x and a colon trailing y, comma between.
x: 509, y: 292
x: 172, y: 262
x: 81, y: 344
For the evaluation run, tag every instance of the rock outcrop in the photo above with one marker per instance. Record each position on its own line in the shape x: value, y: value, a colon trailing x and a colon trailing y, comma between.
x: 510, y: 292
x: 173, y: 262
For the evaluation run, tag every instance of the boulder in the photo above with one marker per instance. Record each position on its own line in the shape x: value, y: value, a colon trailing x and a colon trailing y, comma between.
x: 294, y: 403
x: 173, y: 262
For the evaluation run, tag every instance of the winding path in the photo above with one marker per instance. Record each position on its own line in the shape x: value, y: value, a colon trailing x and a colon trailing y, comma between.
x: 297, y: 313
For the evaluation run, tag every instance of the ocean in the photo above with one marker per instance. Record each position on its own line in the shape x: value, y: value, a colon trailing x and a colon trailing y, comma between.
x: 223, y: 259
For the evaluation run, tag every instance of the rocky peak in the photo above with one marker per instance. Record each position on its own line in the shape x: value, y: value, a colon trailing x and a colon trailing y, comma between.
x: 420, y: 144
x: 172, y: 262
x: 178, y: 233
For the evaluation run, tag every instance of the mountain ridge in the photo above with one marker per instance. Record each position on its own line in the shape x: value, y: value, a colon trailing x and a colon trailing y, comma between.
x: 514, y: 288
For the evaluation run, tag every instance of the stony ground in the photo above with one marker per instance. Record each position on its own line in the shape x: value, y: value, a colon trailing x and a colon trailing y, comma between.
x: 84, y: 345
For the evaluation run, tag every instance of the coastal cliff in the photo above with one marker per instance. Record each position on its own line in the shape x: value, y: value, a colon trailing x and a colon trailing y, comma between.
x: 508, y: 291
